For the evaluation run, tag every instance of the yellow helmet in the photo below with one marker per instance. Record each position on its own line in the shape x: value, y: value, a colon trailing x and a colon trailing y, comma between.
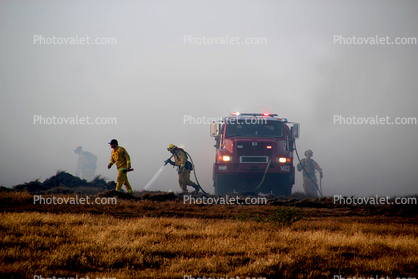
x: 309, y: 152
x: 171, y: 147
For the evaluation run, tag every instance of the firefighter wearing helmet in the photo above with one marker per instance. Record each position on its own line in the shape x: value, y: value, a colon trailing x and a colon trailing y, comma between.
x: 123, y: 162
x: 309, y: 167
x: 184, y: 167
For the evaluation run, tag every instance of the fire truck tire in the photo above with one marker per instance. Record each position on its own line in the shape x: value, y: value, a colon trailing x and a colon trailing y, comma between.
x: 278, y: 185
x: 285, y: 187
x: 223, y: 184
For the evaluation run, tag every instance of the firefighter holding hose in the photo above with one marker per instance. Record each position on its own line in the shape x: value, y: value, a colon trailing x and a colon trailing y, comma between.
x: 310, y: 183
x: 123, y: 162
x: 184, y: 167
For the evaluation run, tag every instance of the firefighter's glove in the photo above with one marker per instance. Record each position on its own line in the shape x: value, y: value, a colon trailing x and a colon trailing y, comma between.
x: 110, y: 165
x: 180, y: 170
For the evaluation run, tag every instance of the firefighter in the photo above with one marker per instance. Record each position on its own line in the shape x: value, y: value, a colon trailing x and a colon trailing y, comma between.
x: 184, y: 168
x: 123, y: 162
x: 309, y: 167
x: 86, y: 165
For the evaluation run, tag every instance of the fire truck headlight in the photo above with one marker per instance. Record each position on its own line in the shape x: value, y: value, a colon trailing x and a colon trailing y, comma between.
x: 282, y: 160
x: 226, y: 158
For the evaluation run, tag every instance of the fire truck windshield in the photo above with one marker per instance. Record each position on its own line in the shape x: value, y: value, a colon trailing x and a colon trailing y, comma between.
x: 242, y: 128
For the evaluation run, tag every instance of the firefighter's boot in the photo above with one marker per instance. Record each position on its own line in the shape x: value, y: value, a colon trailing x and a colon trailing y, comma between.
x: 196, y: 188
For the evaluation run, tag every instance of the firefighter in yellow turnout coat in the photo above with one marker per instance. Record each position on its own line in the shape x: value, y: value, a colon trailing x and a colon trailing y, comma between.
x: 185, y: 167
x: 123, y: 162
x: 309, y: 167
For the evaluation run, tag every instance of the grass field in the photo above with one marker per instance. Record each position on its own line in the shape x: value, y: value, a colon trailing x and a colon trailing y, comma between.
x: 170, y: 239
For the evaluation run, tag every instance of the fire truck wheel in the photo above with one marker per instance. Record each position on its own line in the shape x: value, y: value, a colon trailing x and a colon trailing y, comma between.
x: 223, y: 185
x: 285, y: 186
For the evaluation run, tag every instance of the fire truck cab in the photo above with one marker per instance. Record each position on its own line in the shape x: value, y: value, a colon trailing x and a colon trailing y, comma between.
x: 254, y: 153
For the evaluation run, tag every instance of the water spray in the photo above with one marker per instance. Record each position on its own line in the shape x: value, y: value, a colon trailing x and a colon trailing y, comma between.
x: 153, y: 178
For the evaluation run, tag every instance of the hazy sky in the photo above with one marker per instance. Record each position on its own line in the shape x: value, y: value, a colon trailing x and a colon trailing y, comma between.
x: 149, y: 79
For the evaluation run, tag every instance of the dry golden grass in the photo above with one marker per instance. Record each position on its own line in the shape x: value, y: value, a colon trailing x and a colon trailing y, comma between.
x: 51, y: 244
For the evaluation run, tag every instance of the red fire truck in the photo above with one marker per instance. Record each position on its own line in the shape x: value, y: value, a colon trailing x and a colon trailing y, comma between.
x: 254, y: 153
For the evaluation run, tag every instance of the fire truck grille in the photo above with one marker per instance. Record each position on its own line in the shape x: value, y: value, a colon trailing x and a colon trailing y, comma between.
x: 248, y: 149
x: 253, y: 159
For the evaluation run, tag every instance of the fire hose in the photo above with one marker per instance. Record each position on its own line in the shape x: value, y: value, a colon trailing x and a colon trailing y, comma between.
x: 264, y: 176
x: 168, y: 160
x: 194, y: 172
x: 194, y: 169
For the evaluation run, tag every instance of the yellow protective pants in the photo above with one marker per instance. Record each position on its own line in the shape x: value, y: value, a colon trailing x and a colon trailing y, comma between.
x: 309, y: 186
x: 123, y: 180
x: 184, y: 180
